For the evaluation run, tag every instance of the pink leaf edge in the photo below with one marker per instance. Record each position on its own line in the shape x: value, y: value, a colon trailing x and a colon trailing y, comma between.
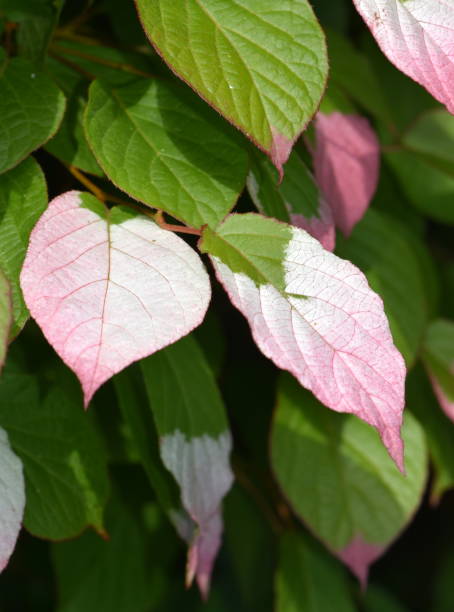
x: 107, y: 294
x: 346, y: 162
x: 321, y: 228
x: 201, y: 467
x: 359, y: 555
x: 280, y: 150
x: 446, y: 404
x: 417, y: 36
x: 330, y: 332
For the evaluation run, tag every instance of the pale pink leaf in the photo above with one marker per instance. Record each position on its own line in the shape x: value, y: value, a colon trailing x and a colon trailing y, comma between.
x: 346, y: 162
x: 109, y: 287
x: 200, y: 465
x: 314, y: 315
x: 321, y: 228
x: 12, y: 499
x: 359, y: 556
x: 418, y: 37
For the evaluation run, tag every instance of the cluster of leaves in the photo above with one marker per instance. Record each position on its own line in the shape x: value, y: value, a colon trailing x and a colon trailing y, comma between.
x: 148, y: 125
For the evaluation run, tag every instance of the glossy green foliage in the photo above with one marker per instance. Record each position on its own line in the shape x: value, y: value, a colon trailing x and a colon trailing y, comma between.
x: 23, y: 198
x: 64, y: 460
x: 31, y: 109
x: 156, y: 146
x: 263, y: 69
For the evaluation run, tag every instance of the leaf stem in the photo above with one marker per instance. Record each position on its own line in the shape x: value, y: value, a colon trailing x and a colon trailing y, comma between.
x: 86, y: 182
x: 157, y: 217
x: 58, y: 49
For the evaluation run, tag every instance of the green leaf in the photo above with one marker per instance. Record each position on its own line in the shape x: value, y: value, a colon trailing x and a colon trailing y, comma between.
x: 31, y: 109
x: 23, y: 198
x: 438, y: 429
x: 251, y: 548
x: 264, y: 68
x: 96, y: 575
x: 308, y: 579
x: 351, y: 71
x: 339, y: 479
x: 195, y: 443
x: 133, y: 402
x: 70, y: 144
x: 297, y: 200
x: 156, y: 142
x: 424, y: 165
x: 6, y: 316
x: 394, y: 273
x: 438, y: 356
x: 377, y: 599
x: 64, y: 462
x: 37, y: 21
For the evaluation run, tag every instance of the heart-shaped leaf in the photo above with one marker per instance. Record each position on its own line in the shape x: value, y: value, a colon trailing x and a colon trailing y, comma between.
x: 417, y: 36
x: 314, y: 315
x: 339, y: 479
x: 261, y: 65
x: 346, y: 162
x: 109, y: 287
x: 12, y: 499
x: 154, y: 141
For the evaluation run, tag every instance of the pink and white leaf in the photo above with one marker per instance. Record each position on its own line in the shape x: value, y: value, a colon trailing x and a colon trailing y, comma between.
x: 417, y: 36
x: 109, y: 287
x: 329, y: 329
x: 322, y: 227
x: 201, y: 467
x: 346, y: 163
x: 12, y: 499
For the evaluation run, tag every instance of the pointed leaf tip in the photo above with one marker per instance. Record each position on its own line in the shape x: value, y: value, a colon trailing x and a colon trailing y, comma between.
x: 359, y: 555
x: 248, y: 61
x: 109, y: 287
x: 417, y: 36
x: 346, y: 161
x: 314, y: 315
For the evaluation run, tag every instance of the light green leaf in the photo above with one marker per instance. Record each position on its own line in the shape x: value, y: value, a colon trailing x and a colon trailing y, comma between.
x: 308, y: 579
x: 424, y: 165
x: 23, y: 198
x: 6, y: 316
x: 157, y: 143
x: 31, y: 109
x: 64, y: 462
x: 96, y: 575
x: 394, y: 273
x: 339, y: 479
x: 261, y: 65
x: 195, y: 443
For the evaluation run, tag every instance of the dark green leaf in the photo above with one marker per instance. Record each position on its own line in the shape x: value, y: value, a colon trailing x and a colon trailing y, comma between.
x: 31, y: 109
x: 23, y: 198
